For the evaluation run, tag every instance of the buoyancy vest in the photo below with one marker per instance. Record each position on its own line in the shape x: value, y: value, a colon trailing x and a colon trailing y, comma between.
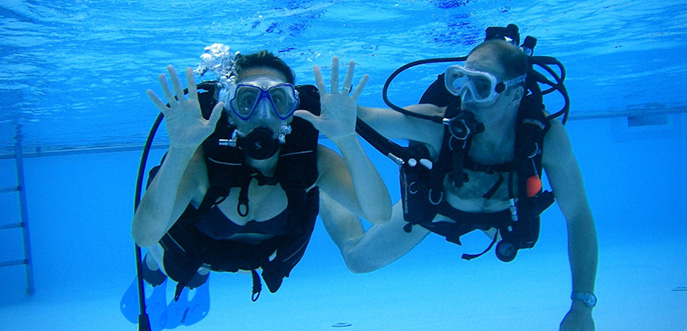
x: 422, y: 188
x: 296, y: 173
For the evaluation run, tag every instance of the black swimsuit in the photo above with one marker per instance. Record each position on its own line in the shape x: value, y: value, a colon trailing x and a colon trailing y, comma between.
x: 217, y: 226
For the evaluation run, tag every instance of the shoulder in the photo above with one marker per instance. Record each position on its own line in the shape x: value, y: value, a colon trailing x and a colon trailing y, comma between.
x: 557, y: 149
x: 418, y: 129
x: 424, y: 131
x: 556, y: 135
x: 327, y: 156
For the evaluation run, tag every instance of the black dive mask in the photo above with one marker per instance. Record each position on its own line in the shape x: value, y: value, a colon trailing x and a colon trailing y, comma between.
x: 260, y: 144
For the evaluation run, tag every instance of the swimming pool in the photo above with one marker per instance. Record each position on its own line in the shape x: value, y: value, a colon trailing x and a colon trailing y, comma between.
x: 73, y: 81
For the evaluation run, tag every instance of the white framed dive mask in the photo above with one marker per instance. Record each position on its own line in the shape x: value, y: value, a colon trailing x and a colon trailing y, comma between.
x: 476, y: 86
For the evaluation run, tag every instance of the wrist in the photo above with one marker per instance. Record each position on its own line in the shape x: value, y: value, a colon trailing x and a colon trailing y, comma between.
x: 180, y: 155
x: 583, y: 300
x: 188, y: 150
x: 345, y: 139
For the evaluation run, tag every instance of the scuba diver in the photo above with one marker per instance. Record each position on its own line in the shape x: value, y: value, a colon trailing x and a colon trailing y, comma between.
x: 239, y: 187
x: 479, y: 141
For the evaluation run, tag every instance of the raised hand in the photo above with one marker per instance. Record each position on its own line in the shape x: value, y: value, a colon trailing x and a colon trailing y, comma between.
x: 338, y: 107
x: 184, y: 121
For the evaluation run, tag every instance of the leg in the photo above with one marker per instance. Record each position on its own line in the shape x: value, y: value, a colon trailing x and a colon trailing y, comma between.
x: 154, y: 268
x: 365, y: 251
x: 151, y: 270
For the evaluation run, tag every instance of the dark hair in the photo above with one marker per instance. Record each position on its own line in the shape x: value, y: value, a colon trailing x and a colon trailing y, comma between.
x: 264, y: 59
x: 513, y: 59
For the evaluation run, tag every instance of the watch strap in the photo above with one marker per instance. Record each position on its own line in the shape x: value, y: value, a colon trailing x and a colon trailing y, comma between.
x: 589, y: 299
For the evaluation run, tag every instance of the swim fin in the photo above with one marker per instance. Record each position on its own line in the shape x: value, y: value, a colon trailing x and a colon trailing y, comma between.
x: 156, y: 304
x: 189, y: 312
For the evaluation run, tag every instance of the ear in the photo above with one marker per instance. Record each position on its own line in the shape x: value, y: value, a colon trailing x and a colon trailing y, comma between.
x: 515, y: 96
x: 230, y: 117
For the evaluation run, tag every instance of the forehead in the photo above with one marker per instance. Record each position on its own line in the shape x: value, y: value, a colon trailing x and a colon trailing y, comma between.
x: 484, y: 60
x: 258, y: 72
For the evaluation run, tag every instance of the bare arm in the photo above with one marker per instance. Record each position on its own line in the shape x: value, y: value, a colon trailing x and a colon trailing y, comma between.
x: 353, y: 180
x: 395, y: 125
x: 174, y: 186
x: 566, y: 180
x: 366, y: 251
x: 180, y: 176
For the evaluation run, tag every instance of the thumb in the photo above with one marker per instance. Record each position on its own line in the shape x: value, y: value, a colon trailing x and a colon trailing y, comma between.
x: 216, y: 114
x: 308, y: 116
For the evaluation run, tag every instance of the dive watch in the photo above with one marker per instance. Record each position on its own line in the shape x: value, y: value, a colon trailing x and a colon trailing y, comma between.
x: 589, y: 299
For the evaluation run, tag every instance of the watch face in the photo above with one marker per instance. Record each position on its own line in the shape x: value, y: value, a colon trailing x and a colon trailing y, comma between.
x: 591, y: 300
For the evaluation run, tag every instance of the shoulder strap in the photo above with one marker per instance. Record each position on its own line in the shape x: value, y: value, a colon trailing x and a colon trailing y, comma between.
x: 523, y: 232
x: 532, y: 126
x: 297, y: 171
x: 297, y: 167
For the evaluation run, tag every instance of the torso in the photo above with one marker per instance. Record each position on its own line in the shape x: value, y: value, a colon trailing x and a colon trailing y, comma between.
x: 468, y: 198
x: 264, y: 203
x: 487, y: 150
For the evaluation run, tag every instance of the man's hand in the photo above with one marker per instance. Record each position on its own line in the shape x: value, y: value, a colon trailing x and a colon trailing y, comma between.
x: 579, y: 318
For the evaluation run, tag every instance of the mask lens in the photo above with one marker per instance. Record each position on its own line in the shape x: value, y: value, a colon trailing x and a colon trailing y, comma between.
x: 245, y: 100
x: 482, y: 87
x: 455, y: 79
x: 461, y: 81
x: 284, y: 100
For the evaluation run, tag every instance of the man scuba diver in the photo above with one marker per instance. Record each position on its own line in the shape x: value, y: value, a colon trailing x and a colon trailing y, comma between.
x: 477, y: 168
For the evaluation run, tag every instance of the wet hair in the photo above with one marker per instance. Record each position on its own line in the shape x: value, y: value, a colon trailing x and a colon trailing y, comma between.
x: 513, y: 59
x: 264, y: 59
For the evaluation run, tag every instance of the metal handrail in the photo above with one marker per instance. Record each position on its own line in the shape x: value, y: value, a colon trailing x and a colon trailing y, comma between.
x: 112, y: 149
x: 82, y: 150
x: 24, y: 223
x: 19, y: 155
x: 626, y: 113
x: 9, y: 189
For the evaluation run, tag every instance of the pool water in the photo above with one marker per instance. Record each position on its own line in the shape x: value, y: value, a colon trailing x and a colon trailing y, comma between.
x: 74, y: 75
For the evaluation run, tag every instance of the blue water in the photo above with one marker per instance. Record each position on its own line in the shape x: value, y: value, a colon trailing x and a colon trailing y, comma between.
x: 72, y: 80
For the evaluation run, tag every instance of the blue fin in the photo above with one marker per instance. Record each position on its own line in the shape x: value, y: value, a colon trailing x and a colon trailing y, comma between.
x: 156, y: 304
x: 189, y: 312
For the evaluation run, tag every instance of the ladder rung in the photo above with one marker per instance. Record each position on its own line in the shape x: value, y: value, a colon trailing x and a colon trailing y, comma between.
x: 11, y: 226
x: 11, y: 263
x: 9, y: 189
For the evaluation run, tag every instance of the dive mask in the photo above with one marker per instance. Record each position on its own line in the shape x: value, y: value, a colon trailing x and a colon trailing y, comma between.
x: 281, y: 98
x: 482, y: 86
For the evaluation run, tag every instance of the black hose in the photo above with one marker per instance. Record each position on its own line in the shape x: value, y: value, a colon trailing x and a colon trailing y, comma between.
x: 143, y: 321
x: 437, y: 119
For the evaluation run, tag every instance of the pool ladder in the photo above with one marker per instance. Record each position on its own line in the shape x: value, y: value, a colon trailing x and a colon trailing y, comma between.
x: 23, y: 224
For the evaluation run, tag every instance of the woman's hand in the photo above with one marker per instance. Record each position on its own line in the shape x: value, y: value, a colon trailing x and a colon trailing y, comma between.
x: 338, y: 108
x: 184, y: 120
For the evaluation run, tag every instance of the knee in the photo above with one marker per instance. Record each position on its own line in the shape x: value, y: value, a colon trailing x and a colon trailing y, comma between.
x: 356, y: 261
x: 360, y: 268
